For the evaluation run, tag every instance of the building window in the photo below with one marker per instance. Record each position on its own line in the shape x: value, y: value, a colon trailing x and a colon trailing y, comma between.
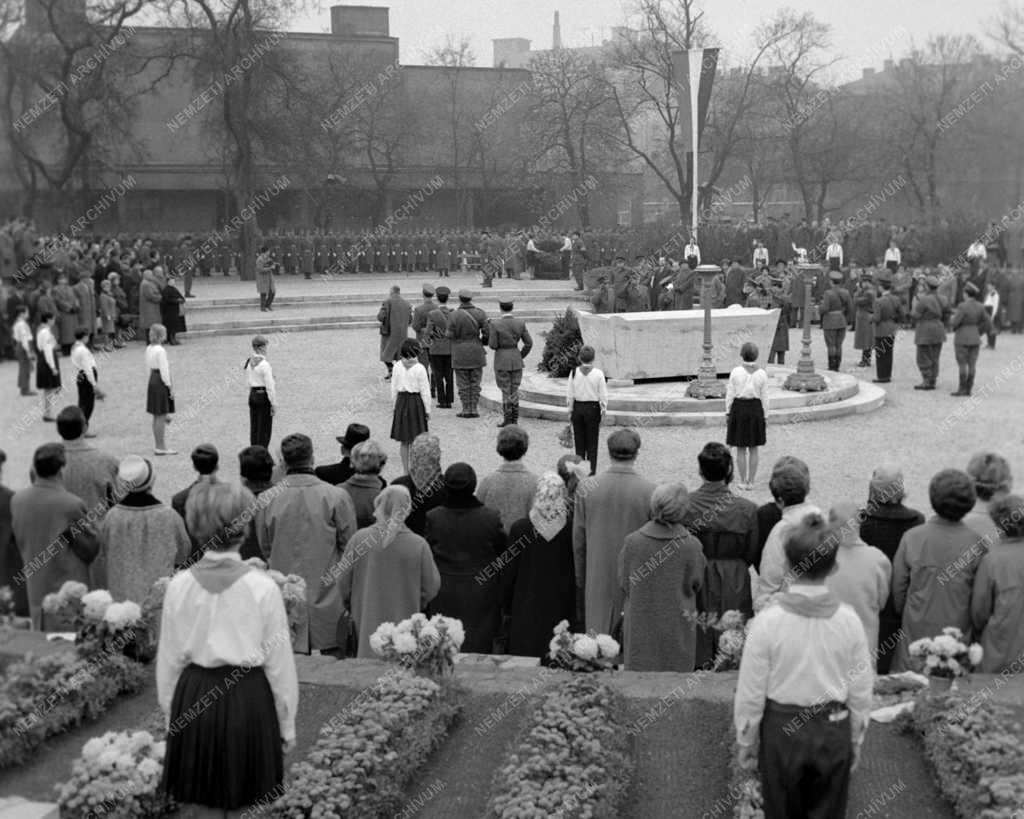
x: 626, y: 213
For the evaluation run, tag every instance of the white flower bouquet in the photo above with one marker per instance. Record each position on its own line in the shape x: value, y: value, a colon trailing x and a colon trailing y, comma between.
x: 293, y: 590
x: 733, y: 627
x: 581, y: 652
x: 946, y: 655
x: 424, y: 645
x: 66, y: 605
x: 118, y: 777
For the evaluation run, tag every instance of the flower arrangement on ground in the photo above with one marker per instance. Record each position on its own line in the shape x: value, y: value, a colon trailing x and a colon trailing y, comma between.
x: 576, y: 758
x: 425, y: 645
x: 45, y: 696
x: 367, y: 754
x: 946, y: 655
x: 103, y: 625
x: 976, y: 756
x: 733, y: 627
x: 581, y: 652
x: 117, y: 776
x: 746, y: 785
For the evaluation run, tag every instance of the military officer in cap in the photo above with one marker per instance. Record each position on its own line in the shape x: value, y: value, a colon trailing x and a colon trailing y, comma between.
x: 420, y: 314
x: 441, y: 349
x: 836, y: 315
x: 930, y: 310
x: 306, y: 255
x: 468, y: 329
x: 886, y: 318
x: 505, y: 335
x: 969, y: 322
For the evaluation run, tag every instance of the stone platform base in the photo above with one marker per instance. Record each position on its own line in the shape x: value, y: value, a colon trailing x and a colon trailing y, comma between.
x: 666, y: 403
x: 17, y: 808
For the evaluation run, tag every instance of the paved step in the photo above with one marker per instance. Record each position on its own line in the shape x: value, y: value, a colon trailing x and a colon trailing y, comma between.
x: 307, y: 323
x: 15, y: 807
x: 869, y: 397
x: 376, y: 297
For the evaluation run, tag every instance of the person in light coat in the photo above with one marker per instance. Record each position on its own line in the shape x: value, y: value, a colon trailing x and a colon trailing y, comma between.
x: 388, y: 573
x: 150, y: 298
x: 997, y: 598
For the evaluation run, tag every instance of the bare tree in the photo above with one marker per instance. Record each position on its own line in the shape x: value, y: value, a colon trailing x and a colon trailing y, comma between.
x: 1008, y: 29
x: 643, y: 89
x: 69, y: 87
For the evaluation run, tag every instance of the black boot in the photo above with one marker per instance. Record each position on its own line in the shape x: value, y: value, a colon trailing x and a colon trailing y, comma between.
x: 962, y: 388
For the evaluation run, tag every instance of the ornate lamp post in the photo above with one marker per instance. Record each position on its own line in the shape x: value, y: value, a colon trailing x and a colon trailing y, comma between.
x: 805, y: 379
x: 707, y: 384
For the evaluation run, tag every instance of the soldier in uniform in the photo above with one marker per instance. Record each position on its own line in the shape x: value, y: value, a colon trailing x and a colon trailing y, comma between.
x: 224, y: 255
x: 306, y: 256
x: 603, y: 296
x: 505, y: 334
x: 319, y: 253
x: 636, y: 297
x: 404, y: 246
x: 467, y: 328
x: 444, y: 257
x: 864, y: 324
x: 203, y: 258
x: 930, y: 311
x: 836, y: 315
x: 436, y: 334
x: 186, y: 265
x: 331, y: 254
x: 420, y: 314
x: 580, y: 255
x: 379, y: 254
x: 888, y: 309
x: 969, y: 322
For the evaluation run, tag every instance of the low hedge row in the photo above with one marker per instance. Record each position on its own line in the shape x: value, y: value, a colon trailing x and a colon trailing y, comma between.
x: 575, y: 757
x: 45, y: 696
x: 975, y: 752
x: 367, y: 754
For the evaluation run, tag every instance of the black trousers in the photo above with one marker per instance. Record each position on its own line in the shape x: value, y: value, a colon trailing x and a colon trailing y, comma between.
x: 928, y: 357
x: 86, y: 395
x: 883, y: 357
x: 24, y: 370
x: 261, y: 422
x: 805, y: 755
x: 444, y: 379
x: 586, y: 424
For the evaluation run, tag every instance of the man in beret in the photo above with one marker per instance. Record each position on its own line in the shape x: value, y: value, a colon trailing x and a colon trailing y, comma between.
x: 303, y: 530
x: 836, y: 315
x: 419, y: 327
x: 436, y: 333
x: 969, y: 322
x: 886, y: 318
x: 505, y: 335
x: 930, y: 311
x: 468, y: 330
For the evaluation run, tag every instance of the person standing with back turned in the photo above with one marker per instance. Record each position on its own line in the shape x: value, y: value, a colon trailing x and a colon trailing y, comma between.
x: 262, y: 394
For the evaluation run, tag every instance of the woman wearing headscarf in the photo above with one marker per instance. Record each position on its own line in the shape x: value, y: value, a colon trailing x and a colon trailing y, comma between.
x: 387, y: 573
x: 368, y: 458
x: 225, y: 672
x: 992, y: 481
x: 661, y: 568
x: 141, y: 539
x: 539, y: 581
x: 424, y: 482
x: 467, y: 539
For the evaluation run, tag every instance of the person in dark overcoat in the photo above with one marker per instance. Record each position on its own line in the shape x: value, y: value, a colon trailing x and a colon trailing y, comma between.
x: 539, y: 580
x: 466, y: 539
x: 394, y: 316
x: 171, y: 316
x: 11, y: 565
x: 85, y: 294
x: 67, y: 313
x: 864, y: 326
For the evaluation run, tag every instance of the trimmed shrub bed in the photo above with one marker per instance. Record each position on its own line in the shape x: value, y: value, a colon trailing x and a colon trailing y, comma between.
x: 575, y: 758
x: 977, y: 760
x: 366, y: 756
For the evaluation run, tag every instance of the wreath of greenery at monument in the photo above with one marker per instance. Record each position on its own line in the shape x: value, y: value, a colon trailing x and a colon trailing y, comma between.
x: 561, y: 346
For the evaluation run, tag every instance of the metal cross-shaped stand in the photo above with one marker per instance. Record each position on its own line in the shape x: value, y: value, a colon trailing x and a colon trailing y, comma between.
x: 707, y: 384
x: 805, y: 379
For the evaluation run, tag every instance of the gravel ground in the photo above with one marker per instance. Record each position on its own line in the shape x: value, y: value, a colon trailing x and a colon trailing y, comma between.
x: 329, y: 379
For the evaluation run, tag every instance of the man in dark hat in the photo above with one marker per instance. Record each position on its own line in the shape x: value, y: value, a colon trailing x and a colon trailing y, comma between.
x: 468, y: 328
x: 419, y: 326
x: 930, y: 311
x: 969, y: 322
x: 436, y: 334
x: 836, y: 314
x: 340, y: 472
x: 886, y: 318
x: 505, y: 335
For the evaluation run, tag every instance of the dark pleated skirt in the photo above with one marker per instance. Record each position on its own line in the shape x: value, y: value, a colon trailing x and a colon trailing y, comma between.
x: 410, y: 417
x: 158, y: 397
x: 746, y: 423
x: 224, y: 743
x: 46, y: 379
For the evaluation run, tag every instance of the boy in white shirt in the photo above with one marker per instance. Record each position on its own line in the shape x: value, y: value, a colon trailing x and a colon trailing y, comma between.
x: 26, y: 354
x: 803, y: 698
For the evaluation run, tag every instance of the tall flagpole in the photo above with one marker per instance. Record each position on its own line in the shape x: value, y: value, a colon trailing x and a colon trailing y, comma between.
x: 696, y: 57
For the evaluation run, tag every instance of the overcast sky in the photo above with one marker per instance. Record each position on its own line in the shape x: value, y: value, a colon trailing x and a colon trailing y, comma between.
x: 864, y: 31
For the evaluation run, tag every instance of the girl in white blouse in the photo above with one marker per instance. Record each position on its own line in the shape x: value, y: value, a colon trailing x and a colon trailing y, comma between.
x: 159, y: 397
x: 47, y: 368
x: 746, y: 405
x: 893, y: 257
x: 225, y: 672
x: 410, y: 390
